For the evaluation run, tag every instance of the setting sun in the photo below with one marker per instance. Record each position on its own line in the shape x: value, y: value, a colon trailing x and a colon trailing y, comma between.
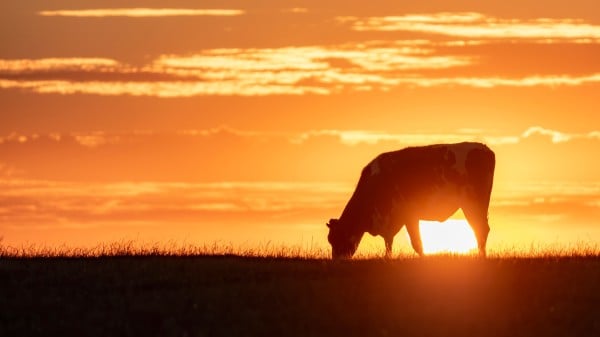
x: 451, y: 236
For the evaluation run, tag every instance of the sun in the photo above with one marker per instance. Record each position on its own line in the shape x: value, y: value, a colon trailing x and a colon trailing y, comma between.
x: 450, y: 236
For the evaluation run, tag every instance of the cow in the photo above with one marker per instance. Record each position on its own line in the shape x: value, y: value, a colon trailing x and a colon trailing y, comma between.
x: 399, y: 188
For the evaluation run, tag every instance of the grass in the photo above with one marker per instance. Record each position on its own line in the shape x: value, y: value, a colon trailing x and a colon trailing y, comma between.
x: 131, y: 248
x: 127, y: 290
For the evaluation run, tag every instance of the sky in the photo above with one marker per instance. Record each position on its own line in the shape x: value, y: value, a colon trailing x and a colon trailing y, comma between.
x: 248, y: 123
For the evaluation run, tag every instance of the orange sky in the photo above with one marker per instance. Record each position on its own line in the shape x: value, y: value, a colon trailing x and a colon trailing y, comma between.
x: 249, y: 123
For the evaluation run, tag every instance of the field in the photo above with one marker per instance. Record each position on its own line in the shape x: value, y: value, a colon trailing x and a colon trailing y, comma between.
x: 227, y: 295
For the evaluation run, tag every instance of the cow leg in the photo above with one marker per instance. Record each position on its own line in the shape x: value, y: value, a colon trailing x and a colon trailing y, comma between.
x: 477, y: 218
x: 389, y: 241
x: 415, y: 236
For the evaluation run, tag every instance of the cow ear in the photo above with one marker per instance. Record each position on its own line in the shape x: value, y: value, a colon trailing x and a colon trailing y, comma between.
x: 332, y: 223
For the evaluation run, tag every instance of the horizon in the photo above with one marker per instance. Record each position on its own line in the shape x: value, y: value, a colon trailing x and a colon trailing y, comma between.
x: 250, y: 123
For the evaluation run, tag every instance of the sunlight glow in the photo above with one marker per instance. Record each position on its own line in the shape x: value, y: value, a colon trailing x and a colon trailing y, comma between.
x: 450, y: 236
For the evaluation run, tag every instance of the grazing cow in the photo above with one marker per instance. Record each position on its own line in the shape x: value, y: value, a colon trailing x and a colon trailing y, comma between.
x: 417, y: 183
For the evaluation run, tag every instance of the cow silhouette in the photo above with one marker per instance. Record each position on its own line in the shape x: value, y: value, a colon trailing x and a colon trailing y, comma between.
x: 400, y: 188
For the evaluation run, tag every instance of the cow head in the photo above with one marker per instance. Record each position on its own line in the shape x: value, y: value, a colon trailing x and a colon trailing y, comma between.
x: 343, y: 242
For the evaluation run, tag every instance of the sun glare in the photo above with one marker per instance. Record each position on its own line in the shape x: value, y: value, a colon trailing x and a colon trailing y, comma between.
x: 451, y: 236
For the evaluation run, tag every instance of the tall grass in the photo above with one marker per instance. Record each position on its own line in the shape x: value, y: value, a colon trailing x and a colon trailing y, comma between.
x: 131, y: 248
x: 546, y: 250
x: 126, y: 248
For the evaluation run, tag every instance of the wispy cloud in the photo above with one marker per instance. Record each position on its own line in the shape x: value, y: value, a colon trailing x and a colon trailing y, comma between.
x: 16, y: 138
x: 493, y: 81
x: 68, y: 203
x: 160, y: 89
x: 558, y: 205
x: 129, y: 165
x: 141, y: 12
x: 478, y: 26
x: 258, y: 85
x: 558, y: 136
x: 58, y: 212
x: 297, y: 10
x: 321, y: 70
x: 94, y: 139
x: 354, y: 137
x: 252, y: 83
x: 245, y: 72
x: 20, y: 66
x: 364, y: 56
x: 321, y: 154
x: 236, y: 210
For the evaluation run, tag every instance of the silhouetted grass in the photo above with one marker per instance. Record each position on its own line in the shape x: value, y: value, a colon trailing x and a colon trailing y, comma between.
x: 124, y: 289
x: 133, y: 248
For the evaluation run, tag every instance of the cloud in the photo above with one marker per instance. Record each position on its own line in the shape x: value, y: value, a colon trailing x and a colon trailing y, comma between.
x: 546, y: 207
x: 215, y: 181
x: 367, y: 56
x: 296, y: 10
x: 246, y: 210
x: 327, y: 82
x: 94, y: 139
x: 229, y: 154
x: 82, y: 199
x: 16, y: 138
x: 25, y: 202
x: 478, y: 26
x: 492, y: 82
x: 322, y: 70
x: 558, y: 136
x: 232, y: 71
x: 58, y: 64
x: 162, y: 89
x: 142, y: 12
x: 354, y: 137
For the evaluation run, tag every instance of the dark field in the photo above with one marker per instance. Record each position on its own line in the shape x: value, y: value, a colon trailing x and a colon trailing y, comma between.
x: 242, y: 296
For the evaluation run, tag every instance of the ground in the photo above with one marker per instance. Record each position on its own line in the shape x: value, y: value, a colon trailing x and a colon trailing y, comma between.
x: 249, y: 296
